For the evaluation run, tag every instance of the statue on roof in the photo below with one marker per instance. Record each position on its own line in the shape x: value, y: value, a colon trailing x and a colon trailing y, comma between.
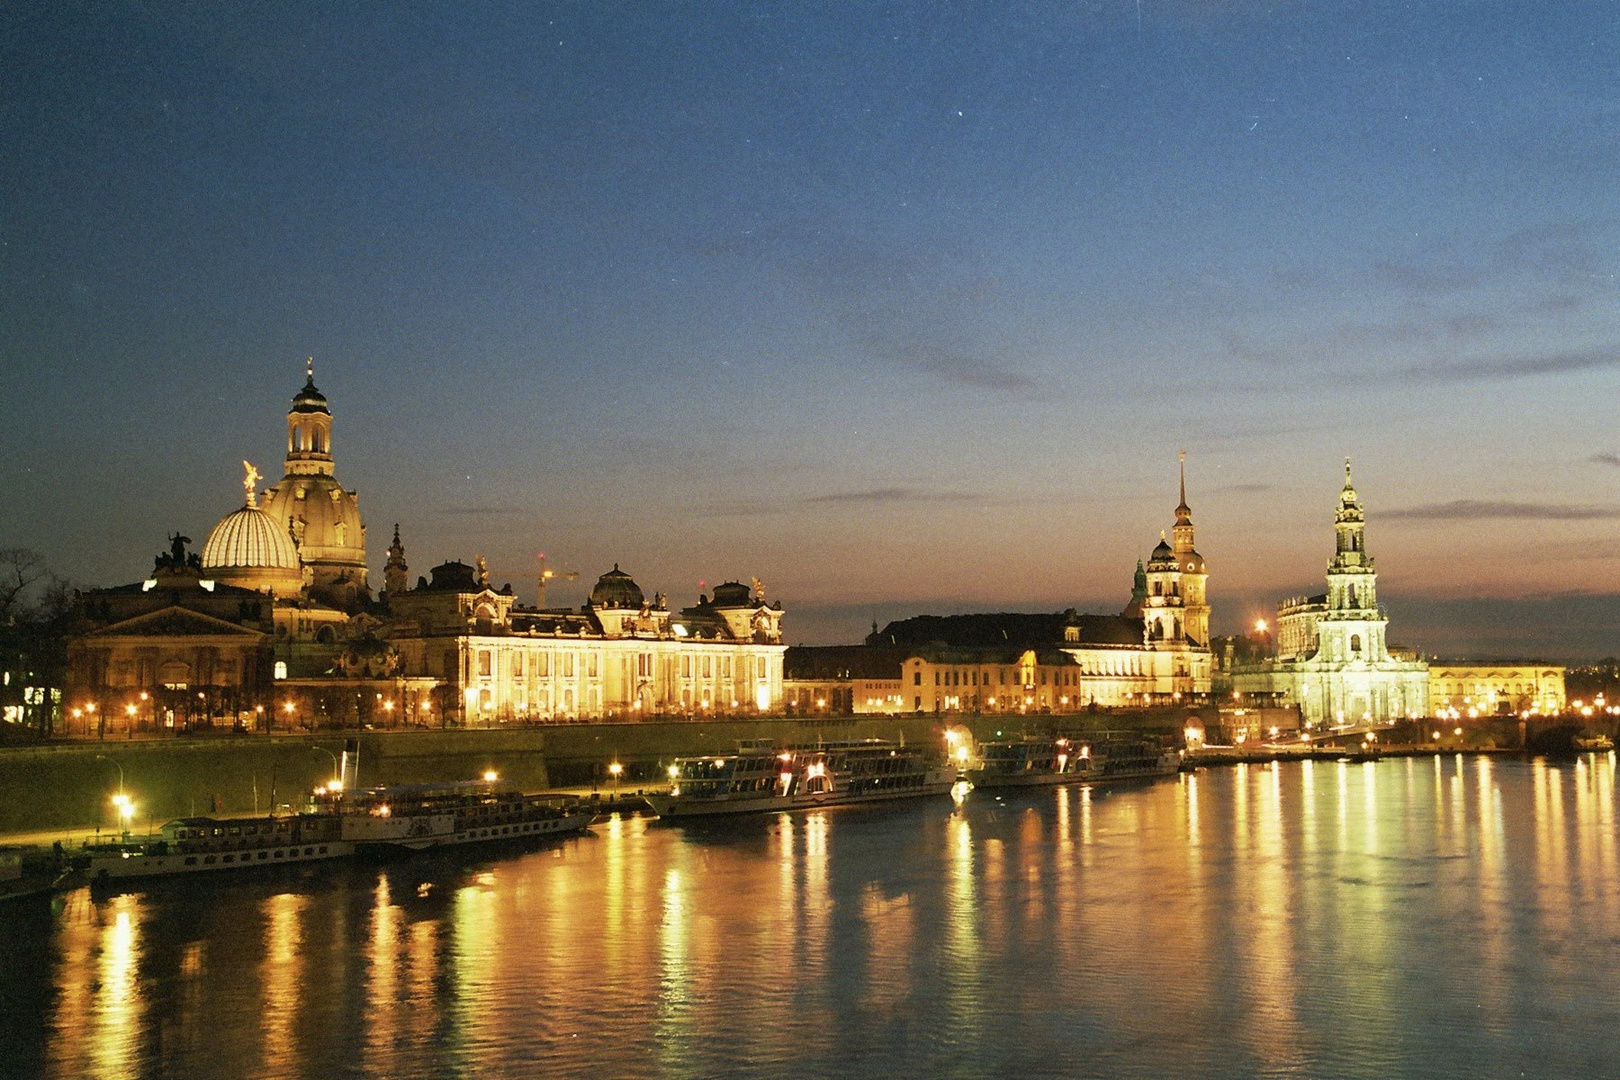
x: 250, y: 481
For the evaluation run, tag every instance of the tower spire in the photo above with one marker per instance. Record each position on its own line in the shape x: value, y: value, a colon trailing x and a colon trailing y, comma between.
x: 309, y: 371
x: 1183, y: 511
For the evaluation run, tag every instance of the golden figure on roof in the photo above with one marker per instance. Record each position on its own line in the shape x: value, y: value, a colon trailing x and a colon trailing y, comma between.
x: 250, y: 481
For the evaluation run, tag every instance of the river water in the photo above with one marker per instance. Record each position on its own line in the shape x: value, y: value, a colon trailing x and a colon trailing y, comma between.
x: 1430, y: 917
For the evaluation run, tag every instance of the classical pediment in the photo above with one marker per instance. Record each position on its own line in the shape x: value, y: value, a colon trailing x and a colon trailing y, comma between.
x: 176, y: 622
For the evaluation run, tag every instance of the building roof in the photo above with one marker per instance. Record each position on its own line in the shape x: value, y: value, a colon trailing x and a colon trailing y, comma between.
x: 1016, y: 629
x: 617, y: 589
x: 452, y: 576
x: 249, y: 537
x: 843, y: 662
x: 310, y: 399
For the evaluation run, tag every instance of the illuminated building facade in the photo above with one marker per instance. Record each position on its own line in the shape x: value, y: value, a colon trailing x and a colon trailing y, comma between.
x: 1332, y: 659
x: 172, y: 651
x: 1155, y: 651
x: 1495, y: 689
x: 273, y: 624
x: 620, y: 656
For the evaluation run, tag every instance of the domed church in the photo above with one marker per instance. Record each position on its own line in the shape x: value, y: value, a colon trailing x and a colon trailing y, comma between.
x: 252, y: 550
x: 272, y: 624
x: 320, y: 515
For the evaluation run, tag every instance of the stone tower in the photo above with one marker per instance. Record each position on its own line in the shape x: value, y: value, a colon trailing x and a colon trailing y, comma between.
x: 1352, y: 627
x: 396, y: 573
x: 1194, y: 574
x: 321, y: 516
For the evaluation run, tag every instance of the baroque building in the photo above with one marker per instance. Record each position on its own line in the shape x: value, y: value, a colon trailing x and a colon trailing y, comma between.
x: 273, y: 623
x: 621, y: 655
x: 1155, y: 651
x: 1332, y: 657
x: 1498, y: 689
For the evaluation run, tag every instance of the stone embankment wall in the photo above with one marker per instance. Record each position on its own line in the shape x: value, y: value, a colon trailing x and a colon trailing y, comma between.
x: 69, y: 785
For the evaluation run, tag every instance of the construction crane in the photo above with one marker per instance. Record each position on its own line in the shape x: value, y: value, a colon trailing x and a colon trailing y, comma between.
x: 546, y: 574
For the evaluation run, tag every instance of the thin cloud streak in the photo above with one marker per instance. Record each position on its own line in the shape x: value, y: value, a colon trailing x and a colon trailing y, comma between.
x: 977, y: 374
x: 1514, y: 367
x: 1476, y: 510
x: 883, y: 495
x: 483, y: 511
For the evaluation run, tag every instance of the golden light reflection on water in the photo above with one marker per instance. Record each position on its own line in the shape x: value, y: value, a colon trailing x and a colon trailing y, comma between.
x: 100, y: 1011
x: 673, y: 1023
x: 383, y: 984
x: 282, y: 973
x: 961, y: 930
x: 1268, y: 879
x: 1219, y: 924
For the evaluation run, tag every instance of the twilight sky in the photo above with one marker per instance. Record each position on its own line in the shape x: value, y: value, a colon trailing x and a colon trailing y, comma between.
x: 900, y: 308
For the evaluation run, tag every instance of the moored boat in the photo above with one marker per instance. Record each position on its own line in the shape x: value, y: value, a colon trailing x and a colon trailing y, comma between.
x: 764, y: 779
x: 417, y: 816
x: 193, y: 845
x: 1043, y: 761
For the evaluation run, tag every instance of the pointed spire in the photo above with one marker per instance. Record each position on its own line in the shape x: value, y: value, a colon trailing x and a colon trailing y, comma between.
x: 309, y: 371
x: 1183, y: 511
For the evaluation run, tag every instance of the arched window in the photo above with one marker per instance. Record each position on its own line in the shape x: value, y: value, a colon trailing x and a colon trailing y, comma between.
x: 1355, y: 643
x: 281, y: 669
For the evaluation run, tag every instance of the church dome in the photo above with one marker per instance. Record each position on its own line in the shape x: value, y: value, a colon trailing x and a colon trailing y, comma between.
x: 617, y: 589
x: 249, y: 537
x: 250, y: 549
x: 1161, y: 556
x: 323, y: 515
x: 310, y: 399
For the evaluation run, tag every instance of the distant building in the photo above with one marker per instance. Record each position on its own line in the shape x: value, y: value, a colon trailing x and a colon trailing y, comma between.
x: 1156, y: 650
x: 1332, y: 659
x: 1496, y: 689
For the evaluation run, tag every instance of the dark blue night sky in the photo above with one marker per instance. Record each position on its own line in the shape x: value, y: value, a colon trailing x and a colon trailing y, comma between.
x: 896, y: 307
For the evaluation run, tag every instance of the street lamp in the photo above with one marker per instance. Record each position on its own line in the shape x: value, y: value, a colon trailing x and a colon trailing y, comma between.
x: 336, y: 783
x: 125, y: 808
x: 615, y: 770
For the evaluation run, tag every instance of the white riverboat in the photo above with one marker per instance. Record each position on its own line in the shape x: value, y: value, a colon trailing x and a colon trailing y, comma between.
x: 1062, y: 759
x: 197, y: 845
x: 417, y: 816
x: 764, y: 779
